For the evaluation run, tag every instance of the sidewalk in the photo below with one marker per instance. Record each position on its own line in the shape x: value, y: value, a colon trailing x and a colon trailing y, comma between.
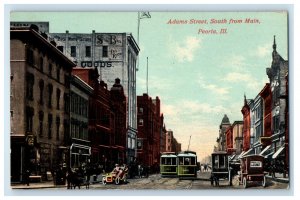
x: 279, y: 178
x: 49, y: 184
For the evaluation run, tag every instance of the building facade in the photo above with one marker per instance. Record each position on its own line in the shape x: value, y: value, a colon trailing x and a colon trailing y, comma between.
x: 40, y: 91
x: 237, y: 134
x: 221, y: 140
x: 78, y: 140
x: 149, y: 130
x: 277, y: 75
x: 115, y: 56
x: 246, y: 111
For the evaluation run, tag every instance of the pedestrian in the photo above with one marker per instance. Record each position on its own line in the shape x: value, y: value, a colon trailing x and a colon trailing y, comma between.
x: 27, y: 177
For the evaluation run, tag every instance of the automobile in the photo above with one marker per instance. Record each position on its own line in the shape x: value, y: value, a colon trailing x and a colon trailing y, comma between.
x: 116, y: 176
x: 252, y: 170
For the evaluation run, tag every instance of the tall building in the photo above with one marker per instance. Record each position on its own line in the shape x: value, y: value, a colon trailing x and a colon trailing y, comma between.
x: 115, y: 56
x: 40, y: 90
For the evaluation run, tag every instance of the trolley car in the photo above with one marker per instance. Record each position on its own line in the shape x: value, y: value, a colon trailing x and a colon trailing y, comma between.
x: 220, y: 168
x: 168, y: 164
x: 187, y: 164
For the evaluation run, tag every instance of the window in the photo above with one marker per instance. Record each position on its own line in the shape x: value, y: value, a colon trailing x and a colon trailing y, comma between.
x: 141, y: 110
x: 29, y: 119
x: 73, y: 51
x: 29, y: 86
x: 57, y: 127
x: 29, y: 56
x: 50, y: 90
x: 141, y: 122
x: 61, y: 48
x: 41, y: 85
x: 41, y: 64
x: 58, y: 73
x: 41, y: 119
x: 50, y: 69
x: 66, y: 102
x: 88, y: 51
x: 57, y: 98
x: 105, y: 51
x: 49, y: 126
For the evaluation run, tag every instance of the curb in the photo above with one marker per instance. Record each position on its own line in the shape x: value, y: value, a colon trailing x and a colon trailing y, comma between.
x: 280, y: 180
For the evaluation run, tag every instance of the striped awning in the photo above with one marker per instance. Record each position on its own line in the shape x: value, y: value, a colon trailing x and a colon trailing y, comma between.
x: 278, y: 152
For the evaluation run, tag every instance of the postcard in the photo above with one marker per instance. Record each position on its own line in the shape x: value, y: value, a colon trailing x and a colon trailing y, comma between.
x: 149, y: 100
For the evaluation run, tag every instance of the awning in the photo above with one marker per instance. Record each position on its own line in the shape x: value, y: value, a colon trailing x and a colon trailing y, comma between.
x: 265, y: 149
x: 278, y: 152
x: 231, y: 157
x: 250, y: 151
x: 268, y: 155
x: 241, y: 155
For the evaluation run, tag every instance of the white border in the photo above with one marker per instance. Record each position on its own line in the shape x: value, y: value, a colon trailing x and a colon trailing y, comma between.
x: 188, y: 5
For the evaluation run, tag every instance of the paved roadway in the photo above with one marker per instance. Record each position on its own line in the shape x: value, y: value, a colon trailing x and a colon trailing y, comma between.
x: 157, y: 182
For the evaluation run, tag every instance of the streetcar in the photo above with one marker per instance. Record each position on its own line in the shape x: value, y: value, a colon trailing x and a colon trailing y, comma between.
x: 187, y: 164
x: 168, y: 164
x: 220, y: 168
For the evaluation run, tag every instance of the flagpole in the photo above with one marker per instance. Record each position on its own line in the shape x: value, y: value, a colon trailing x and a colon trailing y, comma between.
x: 138, y: 40
x: 147, y: 75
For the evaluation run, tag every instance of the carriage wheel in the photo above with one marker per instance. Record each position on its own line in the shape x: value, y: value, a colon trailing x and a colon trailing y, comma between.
x: 117, y: 181
x: 264, y: 181
x: 245, y: 182
x: 230, y: 179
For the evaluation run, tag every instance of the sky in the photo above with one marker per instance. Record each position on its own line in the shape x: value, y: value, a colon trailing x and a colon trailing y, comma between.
x: 199, y: 76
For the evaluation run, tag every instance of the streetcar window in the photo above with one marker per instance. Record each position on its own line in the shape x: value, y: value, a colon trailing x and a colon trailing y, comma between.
x: 186, y: 161
x: 222, y: 162
x: 181, y: 160
x: 173, y: 161
x: 193, y: 161
x: 216, y: 161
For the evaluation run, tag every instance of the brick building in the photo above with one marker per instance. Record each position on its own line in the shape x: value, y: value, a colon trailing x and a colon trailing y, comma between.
x: 39, y: 97
x: 149, y: 130
x: 247, y: 124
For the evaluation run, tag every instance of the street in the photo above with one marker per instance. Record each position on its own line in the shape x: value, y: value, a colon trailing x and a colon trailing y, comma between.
x: 155, y: 181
